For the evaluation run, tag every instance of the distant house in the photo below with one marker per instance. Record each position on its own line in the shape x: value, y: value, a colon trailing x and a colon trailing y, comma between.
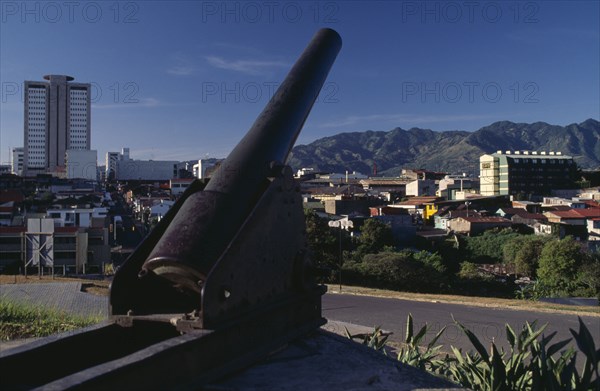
x: 390, y: 185
x: 384, y: 210
x: 529, y: 219
x: 421, y: 187
x: 476, y: 225
x: 416, y: 205
x: 348, y: 206
x: 593, y: 228
x: 508, y: 212
x: 443, y: 217
x: 569, y: 217
x: 567, y: 223
x: 529, y: 206
x: 178, y: 186
x: 592, y: 222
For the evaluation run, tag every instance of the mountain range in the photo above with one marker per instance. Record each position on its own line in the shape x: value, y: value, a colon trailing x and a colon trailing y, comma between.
x: 448, y: 151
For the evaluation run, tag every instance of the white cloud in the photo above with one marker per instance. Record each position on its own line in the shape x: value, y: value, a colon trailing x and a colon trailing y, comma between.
x: 180, y: 70
x: 251, y: 67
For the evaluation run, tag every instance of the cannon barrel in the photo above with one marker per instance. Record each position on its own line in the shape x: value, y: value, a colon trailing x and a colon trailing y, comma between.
x: 208, y: 220
x: 223, y: 279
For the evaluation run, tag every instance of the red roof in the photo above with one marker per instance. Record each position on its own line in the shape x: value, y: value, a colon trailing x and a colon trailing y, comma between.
x: 532, y: 216
x: 491, y: 219
x: 66, y: 229
x: 566, y: 214
x: 11, y: 195
x: 9, y: 230
x: 557, y: 208
x: 589, y: 212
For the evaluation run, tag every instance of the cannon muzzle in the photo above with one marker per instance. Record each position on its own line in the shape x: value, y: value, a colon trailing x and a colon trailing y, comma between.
x: 208, y: 220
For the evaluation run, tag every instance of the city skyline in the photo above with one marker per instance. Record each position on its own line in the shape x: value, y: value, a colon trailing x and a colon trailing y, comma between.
x: 184, y: 80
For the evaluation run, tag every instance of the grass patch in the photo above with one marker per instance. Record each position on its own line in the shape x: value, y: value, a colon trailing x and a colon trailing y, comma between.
x: 19, y: 321
x: 513, y: 304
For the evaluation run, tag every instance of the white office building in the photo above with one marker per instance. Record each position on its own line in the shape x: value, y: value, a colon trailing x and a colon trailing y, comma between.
x: 57, y: 118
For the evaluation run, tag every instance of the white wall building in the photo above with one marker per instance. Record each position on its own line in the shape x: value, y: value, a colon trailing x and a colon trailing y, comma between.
x: 16, y: 161
x: 57, y: 118
x: 199, y: 169
x: 82, y: 164
x: 146, y: 170
x: 421, y: 187
x: 76, y: 217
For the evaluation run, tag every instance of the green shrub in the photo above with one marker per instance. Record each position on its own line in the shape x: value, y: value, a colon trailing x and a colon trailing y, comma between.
x: 26, y: 321
x: 404, y: 270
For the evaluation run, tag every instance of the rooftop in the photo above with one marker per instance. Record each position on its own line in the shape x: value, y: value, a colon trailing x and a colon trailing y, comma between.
x: 491, y: 219
x: 564, y: 214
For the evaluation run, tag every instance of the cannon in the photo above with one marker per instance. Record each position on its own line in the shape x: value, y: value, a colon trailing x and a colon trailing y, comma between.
x: 221, y: 281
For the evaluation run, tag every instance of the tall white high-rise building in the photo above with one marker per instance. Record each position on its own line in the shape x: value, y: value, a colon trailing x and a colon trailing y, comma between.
x: 57, y: 118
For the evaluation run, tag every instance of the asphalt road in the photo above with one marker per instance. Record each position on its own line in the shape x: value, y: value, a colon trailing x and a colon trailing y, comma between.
x: 487, y: 323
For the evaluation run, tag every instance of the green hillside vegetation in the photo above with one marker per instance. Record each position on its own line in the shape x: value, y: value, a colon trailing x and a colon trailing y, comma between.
x: 448, y: 151
x: 560, y: 268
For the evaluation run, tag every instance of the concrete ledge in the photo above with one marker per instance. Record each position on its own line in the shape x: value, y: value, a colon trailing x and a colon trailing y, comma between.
x: 325, y: 361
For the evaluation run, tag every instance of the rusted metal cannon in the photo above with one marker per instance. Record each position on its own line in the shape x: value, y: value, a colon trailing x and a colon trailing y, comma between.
x: 223, y: 279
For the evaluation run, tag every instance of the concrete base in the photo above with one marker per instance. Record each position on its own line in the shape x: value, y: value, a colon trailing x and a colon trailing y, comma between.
x: 326, y: 361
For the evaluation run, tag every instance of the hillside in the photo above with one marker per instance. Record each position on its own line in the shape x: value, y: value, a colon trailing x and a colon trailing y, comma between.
x: 451, y: 151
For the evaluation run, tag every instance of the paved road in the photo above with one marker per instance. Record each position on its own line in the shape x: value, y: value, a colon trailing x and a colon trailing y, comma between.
x: 486, y: 323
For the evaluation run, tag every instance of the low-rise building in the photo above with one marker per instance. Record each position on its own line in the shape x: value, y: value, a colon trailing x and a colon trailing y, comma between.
x: 17, y: 160
x: 569, y: 217
x: 593, y: 228
x: 76, y: 248
x: 178, y: 186
x: 476, y: 225
x: 421, y: 188
x: 78, y: 217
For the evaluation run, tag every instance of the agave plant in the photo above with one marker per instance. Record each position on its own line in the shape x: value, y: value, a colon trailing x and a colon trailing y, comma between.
x: 531, y: 364
x: 412, y: 353
x: 376, y: 340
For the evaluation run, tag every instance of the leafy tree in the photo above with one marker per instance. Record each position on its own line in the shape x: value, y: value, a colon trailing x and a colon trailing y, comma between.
x: 559, y: 265
x: 589, y: 276
x: 374, y: 236
x: 487, y: 248
x: 322, y: 242
x: 524, y: 252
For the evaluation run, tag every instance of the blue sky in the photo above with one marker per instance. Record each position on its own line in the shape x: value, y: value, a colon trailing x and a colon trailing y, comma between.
x: 185, y: 80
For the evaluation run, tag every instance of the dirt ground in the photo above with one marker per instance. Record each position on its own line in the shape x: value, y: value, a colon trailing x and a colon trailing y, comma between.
x: 93, y: 286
